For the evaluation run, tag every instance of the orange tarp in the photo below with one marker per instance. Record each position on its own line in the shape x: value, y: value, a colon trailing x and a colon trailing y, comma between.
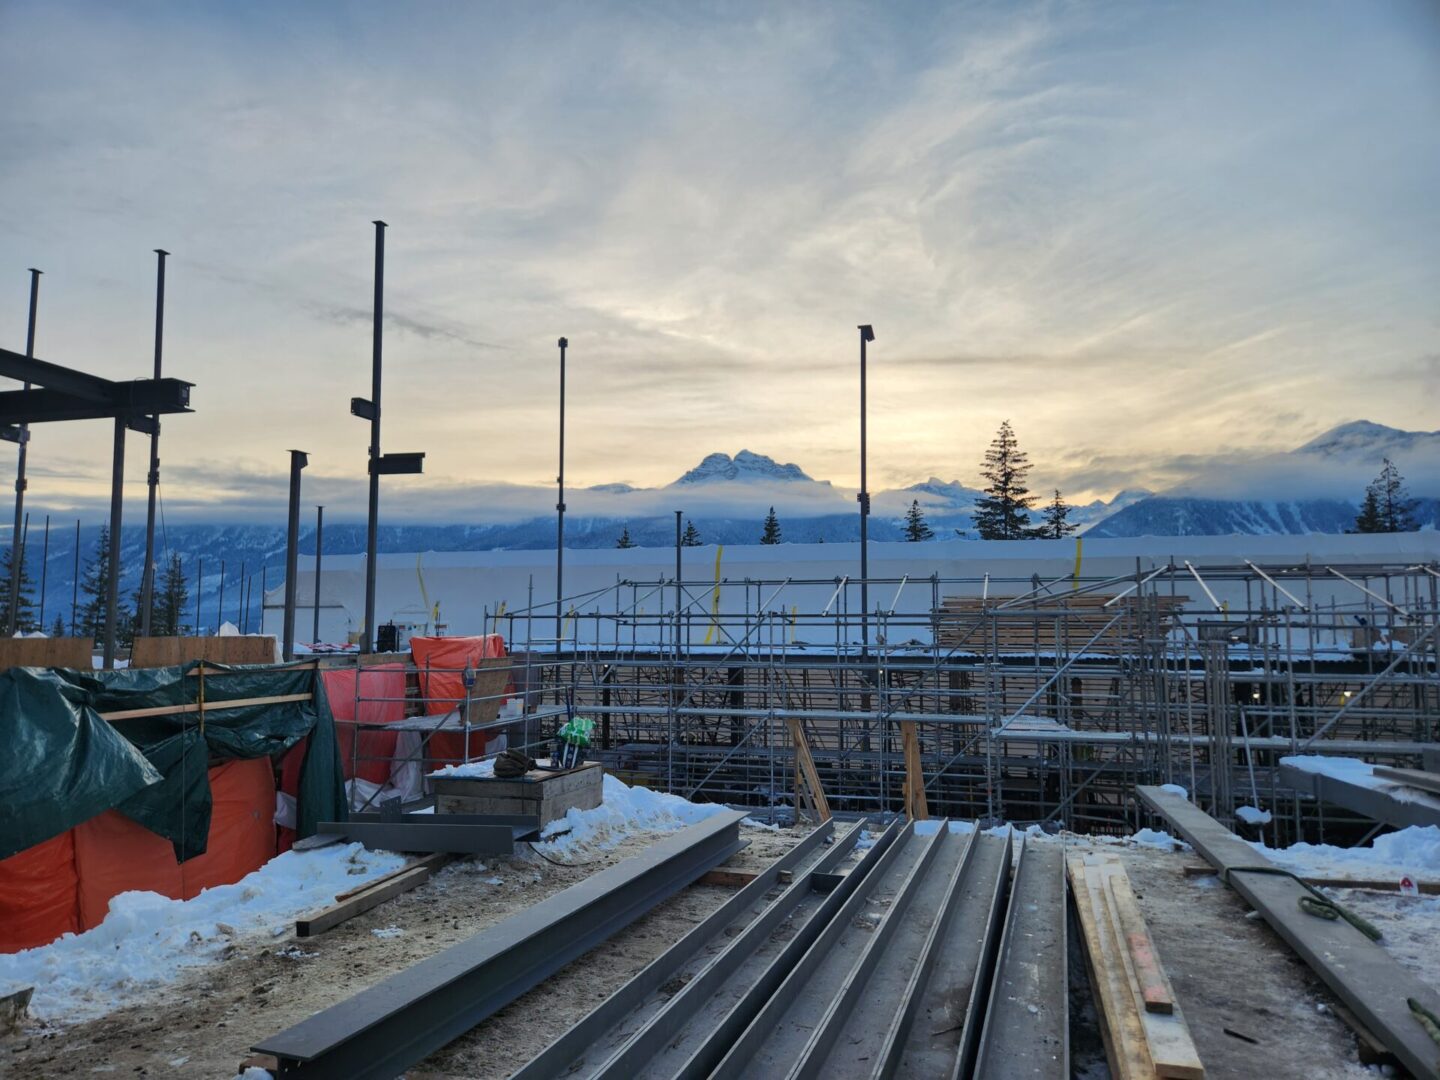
x: 382, y: 693
x: 448, y: 686
x: 39, y: 894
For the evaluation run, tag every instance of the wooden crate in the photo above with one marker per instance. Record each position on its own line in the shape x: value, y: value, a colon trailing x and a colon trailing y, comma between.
x: 540, y: 794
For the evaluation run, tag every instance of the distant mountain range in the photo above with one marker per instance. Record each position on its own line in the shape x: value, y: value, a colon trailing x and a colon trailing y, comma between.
x: 733, y: 494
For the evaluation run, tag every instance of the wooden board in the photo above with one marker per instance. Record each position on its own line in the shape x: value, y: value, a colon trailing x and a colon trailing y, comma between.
x: 61, y: 652
x: 1415, y: 778
x: 1125, y: 1045
x: 916, y: 805
x: 1047, y: 623
x: 361, y: 902
x: 149, y: 652
x: 808, y: 789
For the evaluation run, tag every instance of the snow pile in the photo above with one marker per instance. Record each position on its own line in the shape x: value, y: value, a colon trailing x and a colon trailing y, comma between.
x: 1156, y: 839
x: 1252, y: 815
x: 1175, y: 789
x: 625, y: 810
x: 1351, y: 770
x: 1414, y: 851
x: 148, y: 940
x: 472, y: 769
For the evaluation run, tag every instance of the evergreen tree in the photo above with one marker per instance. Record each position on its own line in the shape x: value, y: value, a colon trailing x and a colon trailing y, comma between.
x: 1386, y: 507
x: 692, y: 535
x: 172, y: 602
x: 1002, y: 512
x: 58, y: 630
x: 625, y: 541
x: 25, y: 604
x: 93, y: 581
x: 915, y: 528
x: 771, y: 535
x: 1054, y: 525
x: 1368, y: 520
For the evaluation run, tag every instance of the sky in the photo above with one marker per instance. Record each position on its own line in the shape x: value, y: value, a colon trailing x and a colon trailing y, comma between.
x: 1158, y: 238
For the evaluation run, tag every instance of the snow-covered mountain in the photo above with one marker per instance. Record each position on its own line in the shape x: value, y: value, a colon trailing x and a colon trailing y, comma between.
x: 1315, y: 488
x: 743, y: 467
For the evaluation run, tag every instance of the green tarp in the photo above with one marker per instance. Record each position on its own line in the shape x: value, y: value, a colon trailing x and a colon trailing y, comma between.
x: 62, y: 763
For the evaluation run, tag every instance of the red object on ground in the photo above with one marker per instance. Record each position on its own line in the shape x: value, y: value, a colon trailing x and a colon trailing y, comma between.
x: 39, y: 894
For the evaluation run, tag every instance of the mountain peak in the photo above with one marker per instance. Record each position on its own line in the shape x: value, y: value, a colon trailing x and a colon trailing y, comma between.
x: 1366, y: 440
x: 744, y: 466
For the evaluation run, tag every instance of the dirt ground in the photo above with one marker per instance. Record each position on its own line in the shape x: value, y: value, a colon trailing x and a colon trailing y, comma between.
x: 1253, y: 1007
x: 204, y: 1025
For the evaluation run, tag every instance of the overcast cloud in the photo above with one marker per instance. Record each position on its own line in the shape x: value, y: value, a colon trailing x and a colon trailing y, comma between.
x: 1154, y: 237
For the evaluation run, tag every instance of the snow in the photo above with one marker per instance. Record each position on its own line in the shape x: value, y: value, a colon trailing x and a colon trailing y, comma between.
x: 148, y: 940
x: 1175, y: 789
x: 626, y: 810
x: 1252, y: 815
x: 1414, y: 851
x: 1156, y: 839
x: 1362, y: 774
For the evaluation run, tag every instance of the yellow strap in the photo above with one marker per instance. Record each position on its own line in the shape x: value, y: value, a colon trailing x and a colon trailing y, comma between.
x: 715, y: 599
x: 1076, y: 579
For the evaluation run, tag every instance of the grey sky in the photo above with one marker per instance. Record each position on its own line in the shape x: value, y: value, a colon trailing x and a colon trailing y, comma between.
x: 1146, y: 234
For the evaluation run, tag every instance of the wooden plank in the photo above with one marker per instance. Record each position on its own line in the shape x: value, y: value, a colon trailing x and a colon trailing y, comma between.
x: 61, y: 652
x: 230, y: 649
x: 1415, y: 778
x: 805, y: 770
x: 361, y: 902
x: 1125, y: 1045
x: 431, y: 862
x: 207, y: 707
x: 916, y: 805
x: 1155, y: 991
x: 1359, y: 971
x: 1167, y: 1037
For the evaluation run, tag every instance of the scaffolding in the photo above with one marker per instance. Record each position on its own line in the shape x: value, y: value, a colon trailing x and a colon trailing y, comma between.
x: 1032, y: 702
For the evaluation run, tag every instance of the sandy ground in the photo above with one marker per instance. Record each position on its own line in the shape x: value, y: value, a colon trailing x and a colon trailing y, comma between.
x: 204, y: 1025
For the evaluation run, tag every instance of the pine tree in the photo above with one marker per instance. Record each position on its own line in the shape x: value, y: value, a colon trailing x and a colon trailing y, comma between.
x: 1368, y: 520
x: 172, y: 602
x: 692, y: 535
x: 625, y: 541
x: 1054, y: 525
x: 93, y: 585
x: 771, y: 535
x: 1396, y: 509
x: 25, y: 604
x: 58, y: 630
x: 1002, y: 512
x: 915, y: 528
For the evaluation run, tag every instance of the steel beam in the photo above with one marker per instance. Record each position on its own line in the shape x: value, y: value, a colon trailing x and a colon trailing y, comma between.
x: 1027, y: 1023
x: 1360, y: 972
x: 636, y: 1003
x: 382, y: 1031
x: 141, y: 398
x: 1376, y: 803
x: 485, y: 839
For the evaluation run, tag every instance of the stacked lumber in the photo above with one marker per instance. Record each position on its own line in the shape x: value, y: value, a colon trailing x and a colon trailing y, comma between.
x: 1145, y: 1033
x: 1046, y: 624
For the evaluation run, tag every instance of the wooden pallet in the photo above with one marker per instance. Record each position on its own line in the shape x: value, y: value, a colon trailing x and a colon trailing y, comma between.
x: 1144, y: 1030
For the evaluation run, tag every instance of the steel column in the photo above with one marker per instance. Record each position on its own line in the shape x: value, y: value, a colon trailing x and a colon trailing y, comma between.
x: 152, y: 480
x: 112, y: 581
x: 17, y: 557
x: 372, y: 528
x: 298, y: 461
x: 319, y: 547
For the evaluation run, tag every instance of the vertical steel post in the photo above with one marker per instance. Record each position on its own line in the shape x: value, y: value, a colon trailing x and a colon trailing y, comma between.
x: 678, y: 544
x: 372, y: 534
x: 152, y: 480
x: 867, y: 334
x: 560, y: 513
x: 75, y: 584
x: 240, y: 603
x: 199, y: 586
x: 16, y: 557
x: 319, y: 547
x: 112, y: 583
x: 220, y: 599
x: 298, y: 461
